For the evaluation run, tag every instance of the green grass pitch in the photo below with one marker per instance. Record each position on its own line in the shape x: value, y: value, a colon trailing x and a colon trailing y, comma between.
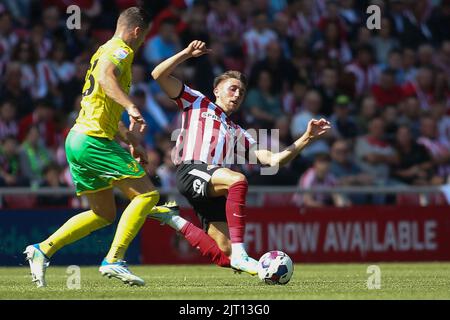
x: 310, y: 281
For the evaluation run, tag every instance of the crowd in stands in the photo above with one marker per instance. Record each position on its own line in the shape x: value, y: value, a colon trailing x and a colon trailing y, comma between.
x: 386, y: 91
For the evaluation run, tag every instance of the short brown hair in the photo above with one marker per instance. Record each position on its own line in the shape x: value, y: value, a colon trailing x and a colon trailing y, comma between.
x: 231, y: 74
x: 134, y: 17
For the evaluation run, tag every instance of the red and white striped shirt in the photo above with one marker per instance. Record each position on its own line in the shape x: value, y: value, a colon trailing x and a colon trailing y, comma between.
x: 207, y: 135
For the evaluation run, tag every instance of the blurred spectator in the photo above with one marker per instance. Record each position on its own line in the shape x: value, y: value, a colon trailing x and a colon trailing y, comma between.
x: 53, y: 22
x: 438, y: 148
x: 350, y: 15
x: 443, y: 58
x: 373, y: 154
x: 425, y: 55
x: 264, y: 107
x: 367, y: 112
x: 343, y: 123
x: 8, y: 122
x: 415, y: 165
x: 36, y: 76
x: 63, y: 69
x: 319, y: 175
x: 386, y: 91
x: 409, y: 65
x: 222, y: 22
x: 311, y: 109
x: 439, y: 21
x: 34, y: 156
x: 422, y: 87
x: 11, y: 89
x: 156, y: 120
x: 303, y: 21
x: 334, y: 46
x: 167, y: 105
x: 364, y: 70
x: 80, y: 42
x: 390, y: 117
x: 293, y: 99
x: 416, y: 29
x: 163, y: 45
x: 8, y: 39
x: 332, y: 16
x: 167, y: 172
x: 328, y: 89
x: 285, y: 40
x: 11, y: 170
x: 442, y: 118
x: 410, y: 114
x: 394, y: 63
x: 42, y: 42
x: 384, y: 42
x: 173, y: 11
x: 51, y: 179
x: 257, y: 38
x: 42, y: 119
x: 282, y: 71
x: 347, y: 172
x: 72, y: 88
x: 195, y: 29
x: 397, y: 15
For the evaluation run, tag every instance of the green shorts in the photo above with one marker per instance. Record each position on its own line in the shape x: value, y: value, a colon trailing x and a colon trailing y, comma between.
x: 96, y: 162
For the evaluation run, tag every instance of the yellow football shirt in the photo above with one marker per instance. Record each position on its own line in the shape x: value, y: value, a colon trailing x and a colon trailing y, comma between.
x: 100, y: 115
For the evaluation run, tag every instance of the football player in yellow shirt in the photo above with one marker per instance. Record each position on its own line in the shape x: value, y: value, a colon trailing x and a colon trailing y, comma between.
x: 98, y: 163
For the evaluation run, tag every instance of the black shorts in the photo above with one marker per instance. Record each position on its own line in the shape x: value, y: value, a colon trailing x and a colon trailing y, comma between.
x: 192, y: 182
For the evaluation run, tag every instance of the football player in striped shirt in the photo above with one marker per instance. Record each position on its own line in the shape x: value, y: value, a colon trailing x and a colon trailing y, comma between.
x: 207, y: 144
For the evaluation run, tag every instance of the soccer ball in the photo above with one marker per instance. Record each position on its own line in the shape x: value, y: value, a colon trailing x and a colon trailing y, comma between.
x: 275, y: 267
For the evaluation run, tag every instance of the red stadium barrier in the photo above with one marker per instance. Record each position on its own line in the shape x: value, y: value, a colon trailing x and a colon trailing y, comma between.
x: 354, y: 234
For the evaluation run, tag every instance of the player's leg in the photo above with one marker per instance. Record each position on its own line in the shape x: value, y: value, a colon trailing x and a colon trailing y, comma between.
x: 233, y: 185
x: 143, y: 198
x: 218, y: 231
x: 102, y: 213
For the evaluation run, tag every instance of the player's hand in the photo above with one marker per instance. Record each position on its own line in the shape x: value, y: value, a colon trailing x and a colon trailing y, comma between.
x: 197, y: 48
x: 136, y: 119
x: 139, y: 154
x: 317, y: 128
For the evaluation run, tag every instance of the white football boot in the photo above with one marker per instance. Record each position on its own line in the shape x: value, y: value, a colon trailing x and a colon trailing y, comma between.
x: 38, y: 264
x: 119, y: 270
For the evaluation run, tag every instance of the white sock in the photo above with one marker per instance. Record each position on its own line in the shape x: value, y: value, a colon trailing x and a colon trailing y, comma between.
x: 237, y: 249
x: 177, y: 222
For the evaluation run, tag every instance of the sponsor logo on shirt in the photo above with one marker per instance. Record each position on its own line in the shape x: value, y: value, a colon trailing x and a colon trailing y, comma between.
x: 211, y: 116
x: 120, y: 54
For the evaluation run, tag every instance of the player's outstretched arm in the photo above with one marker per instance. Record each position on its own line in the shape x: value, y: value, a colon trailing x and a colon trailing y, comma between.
x: 316, y: 128
x: 162, y: 72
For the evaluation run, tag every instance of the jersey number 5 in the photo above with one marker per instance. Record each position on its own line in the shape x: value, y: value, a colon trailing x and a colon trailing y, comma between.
x: 89, y: 75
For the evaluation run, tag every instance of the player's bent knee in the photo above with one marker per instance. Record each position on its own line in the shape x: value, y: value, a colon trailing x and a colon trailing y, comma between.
x: 147, y: 200
x: 238, y: 177
x: 108, y: 215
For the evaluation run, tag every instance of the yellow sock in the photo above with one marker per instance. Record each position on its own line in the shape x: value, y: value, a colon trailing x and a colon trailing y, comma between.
x: 130, y: 223
x: 74, y: 229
